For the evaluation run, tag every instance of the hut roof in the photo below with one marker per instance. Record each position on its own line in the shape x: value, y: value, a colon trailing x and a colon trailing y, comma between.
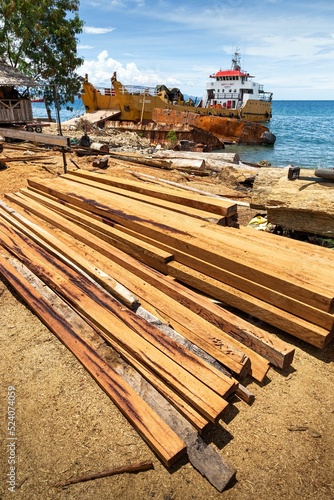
x: 11, y: 76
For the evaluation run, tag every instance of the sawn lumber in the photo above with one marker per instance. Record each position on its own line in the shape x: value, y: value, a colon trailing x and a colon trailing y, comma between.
x: 201, y: 242
x: 230, y: 357
x: 103, y: 310
x: 203, y: 457
x: 153, y: 429
x: 166, y: 204
x: 206, y: 203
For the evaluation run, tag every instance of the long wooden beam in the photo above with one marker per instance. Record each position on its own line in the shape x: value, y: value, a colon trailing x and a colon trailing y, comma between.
x: 55, y: 140
x: 203, y: 457
x: 209, y: 375
x: 311, y: 324
x: 216, y: 206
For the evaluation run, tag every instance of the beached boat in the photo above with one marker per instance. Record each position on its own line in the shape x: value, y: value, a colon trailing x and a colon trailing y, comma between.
x: 229, y: 93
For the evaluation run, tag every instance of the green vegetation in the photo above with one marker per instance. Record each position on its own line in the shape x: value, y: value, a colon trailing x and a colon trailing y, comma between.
x: 172, y: 137
x: 39, y: 39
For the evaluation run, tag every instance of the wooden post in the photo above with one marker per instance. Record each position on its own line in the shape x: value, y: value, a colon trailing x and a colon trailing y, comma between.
x: 59, y: 126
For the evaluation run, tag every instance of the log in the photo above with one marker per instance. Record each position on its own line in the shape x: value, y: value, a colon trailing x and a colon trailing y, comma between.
x: 188, y: 165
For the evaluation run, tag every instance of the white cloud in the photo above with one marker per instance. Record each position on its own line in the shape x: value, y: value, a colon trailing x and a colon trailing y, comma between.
x: 101, y: 69
x: 91, y: 30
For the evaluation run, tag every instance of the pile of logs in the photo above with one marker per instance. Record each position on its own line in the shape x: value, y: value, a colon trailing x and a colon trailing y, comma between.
x: 139, y: 266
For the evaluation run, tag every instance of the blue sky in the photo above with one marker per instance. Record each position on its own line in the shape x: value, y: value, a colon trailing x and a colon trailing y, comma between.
x: 288, y: 45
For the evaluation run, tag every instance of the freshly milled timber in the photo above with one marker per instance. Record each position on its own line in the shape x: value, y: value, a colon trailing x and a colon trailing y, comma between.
x: 294, y: 325
x: 173, y: 206
x: 205, y: 203
x: 232, y: 357
x: 200, y: 240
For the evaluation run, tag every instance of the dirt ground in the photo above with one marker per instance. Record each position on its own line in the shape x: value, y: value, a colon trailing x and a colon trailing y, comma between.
x: 281, y: 445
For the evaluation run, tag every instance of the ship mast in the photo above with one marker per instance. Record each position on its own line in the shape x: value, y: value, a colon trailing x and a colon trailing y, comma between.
x: 236, y: 61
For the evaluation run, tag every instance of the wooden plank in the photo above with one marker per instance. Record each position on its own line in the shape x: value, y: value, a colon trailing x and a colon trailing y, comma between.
x: 208, y: 374
x: 99, y: 312
x: 55, y: 140
x: 232, y: 357
x: 241, y: 391
x: 155, y: 180
x: 154, y: 201
x: 160, y: 437
x: 90, y: 336
x: 202, y: 242
x: 294, y: 325
x: 205, y: 203
x: 280, y: 300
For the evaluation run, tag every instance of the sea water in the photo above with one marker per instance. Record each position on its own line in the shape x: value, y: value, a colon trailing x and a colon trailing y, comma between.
x: 304, y: 136
x: 303, y: 129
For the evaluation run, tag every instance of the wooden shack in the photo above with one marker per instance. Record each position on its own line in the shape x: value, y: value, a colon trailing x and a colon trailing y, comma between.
x: 15, y: 103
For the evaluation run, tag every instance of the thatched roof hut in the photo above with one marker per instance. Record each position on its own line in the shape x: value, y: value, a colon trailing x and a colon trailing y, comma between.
x: 10, y: 76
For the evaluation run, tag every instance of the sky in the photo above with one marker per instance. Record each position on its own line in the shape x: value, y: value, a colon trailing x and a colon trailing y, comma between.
x: 288, y: 45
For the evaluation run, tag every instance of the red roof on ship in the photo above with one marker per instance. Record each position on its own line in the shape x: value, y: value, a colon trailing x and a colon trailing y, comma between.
x: 230, y: 72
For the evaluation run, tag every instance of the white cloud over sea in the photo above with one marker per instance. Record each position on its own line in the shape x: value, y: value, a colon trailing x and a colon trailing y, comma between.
x: 288, y: 46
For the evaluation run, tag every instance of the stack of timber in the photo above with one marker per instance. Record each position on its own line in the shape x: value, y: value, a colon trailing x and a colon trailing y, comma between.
x: 140, y: 266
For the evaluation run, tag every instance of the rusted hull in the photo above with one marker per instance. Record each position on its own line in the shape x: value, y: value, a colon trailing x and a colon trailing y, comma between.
x: 225, y: 129
x: 160, y: 132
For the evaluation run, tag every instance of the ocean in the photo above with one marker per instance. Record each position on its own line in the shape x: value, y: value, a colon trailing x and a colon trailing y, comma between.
x: 304, y: 136
x: 303, y: 130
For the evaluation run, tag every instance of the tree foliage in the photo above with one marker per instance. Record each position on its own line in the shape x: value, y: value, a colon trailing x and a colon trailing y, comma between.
x: 40, y: 39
